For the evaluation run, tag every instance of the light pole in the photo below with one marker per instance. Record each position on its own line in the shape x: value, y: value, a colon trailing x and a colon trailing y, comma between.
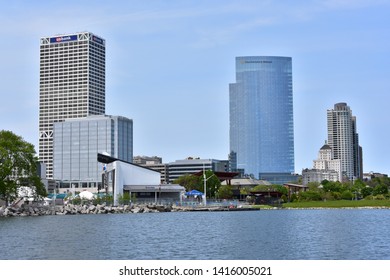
x: 204, y: 184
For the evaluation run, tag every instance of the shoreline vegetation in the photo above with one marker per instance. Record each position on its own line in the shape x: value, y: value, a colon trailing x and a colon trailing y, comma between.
x: 364, y: 203
x: 70, y: 209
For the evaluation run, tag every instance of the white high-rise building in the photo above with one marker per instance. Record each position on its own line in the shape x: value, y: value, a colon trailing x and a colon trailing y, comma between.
x: 72, y: 84
x: 324, y: 168
x: 325, y: 161
x: 344, y: 141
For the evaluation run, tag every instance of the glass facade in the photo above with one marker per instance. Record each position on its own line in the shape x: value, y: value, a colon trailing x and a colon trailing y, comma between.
x: 78, y: 141
x: 261, y: 116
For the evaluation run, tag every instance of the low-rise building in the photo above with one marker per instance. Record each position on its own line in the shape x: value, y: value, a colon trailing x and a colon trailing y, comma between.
x: 325, y: 167
x: 140, y: 182
x: 194, y: 165
x: 173, y: 170
x: 371, y: 175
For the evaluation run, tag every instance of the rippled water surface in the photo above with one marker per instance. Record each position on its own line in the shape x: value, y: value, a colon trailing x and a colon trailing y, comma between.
x: 279, y: 234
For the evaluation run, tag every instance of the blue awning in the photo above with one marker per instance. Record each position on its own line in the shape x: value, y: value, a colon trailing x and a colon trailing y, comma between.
x: 193, y: 193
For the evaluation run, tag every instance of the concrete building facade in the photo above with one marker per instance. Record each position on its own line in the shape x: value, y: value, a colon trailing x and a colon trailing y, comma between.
x: 325, y: 167
x: 72, y: 84
x: 173, y: 170
x: 344, y: 140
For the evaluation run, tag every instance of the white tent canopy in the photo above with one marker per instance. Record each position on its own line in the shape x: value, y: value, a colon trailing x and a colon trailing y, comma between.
x: 86, y: 195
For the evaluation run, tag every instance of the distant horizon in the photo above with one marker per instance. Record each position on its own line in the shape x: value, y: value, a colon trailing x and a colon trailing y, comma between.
x: 169, y: 65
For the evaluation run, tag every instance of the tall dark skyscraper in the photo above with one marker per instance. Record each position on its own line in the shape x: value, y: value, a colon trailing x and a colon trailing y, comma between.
x: 344, y: 141
x: 72, y: 84
x: 261, y: 118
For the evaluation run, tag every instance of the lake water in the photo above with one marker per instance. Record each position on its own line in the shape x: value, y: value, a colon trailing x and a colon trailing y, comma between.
x: 280, y: 235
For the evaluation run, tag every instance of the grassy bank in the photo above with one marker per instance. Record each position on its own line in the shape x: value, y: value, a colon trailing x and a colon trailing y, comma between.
x: 261, y: 206
x: 338, y: 204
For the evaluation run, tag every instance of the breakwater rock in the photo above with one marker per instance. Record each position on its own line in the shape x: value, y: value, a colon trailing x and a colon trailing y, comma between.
x: 70, y: 209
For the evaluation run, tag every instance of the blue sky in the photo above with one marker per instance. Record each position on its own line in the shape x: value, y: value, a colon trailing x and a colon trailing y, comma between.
x: 169, y: 65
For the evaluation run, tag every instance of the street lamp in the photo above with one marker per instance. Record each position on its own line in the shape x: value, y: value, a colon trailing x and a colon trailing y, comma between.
x: 204, y: 184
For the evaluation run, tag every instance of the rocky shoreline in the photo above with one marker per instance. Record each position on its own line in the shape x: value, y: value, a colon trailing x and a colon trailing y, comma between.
x: 71, y: 209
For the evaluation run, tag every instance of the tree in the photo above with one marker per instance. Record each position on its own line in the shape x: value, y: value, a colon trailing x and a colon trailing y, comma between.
x: 225, y: 192
x: 212, y: 183
x: 18, y: 167
x: 347, y: 195
x: 188, y: 181
x: 310, y: 196
x: 332, y: 186
x: 380, y: 189
x: 313, y: 186
x: 366, y: 191
x: 193, y: 182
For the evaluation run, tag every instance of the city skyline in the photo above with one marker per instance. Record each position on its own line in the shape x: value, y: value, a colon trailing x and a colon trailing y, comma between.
x: 169, y: 66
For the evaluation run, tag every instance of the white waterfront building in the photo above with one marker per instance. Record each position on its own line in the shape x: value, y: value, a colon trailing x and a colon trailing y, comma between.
x: 139, y: 181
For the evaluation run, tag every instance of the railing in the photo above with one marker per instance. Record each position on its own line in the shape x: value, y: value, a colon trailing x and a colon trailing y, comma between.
x: 152, y: 201
x: 211, y: 203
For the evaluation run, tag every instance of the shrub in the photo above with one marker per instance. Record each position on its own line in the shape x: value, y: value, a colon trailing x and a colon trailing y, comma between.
x: 76, y: 201
x: 97, y: 200
x: 125, y: 198
x: 366, y: 191
x: 293, y: 197
x: 336, y: 195
x: 327, y: 196
x: 379, y: 197
x: 347, y: 195
x: 310, y: 196
x: 225, y: 192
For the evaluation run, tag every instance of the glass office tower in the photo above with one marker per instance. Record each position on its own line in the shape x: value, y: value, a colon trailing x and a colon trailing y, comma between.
x: 261, y: 118
x: 72, y: 84
x: 78, y: 141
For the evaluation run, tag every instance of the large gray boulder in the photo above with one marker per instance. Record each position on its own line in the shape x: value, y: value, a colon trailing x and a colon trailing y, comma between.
x: 136, y: 210
x: 2, y: 208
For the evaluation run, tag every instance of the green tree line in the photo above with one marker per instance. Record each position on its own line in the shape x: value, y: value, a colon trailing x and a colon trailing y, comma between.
x: 377, y: 188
